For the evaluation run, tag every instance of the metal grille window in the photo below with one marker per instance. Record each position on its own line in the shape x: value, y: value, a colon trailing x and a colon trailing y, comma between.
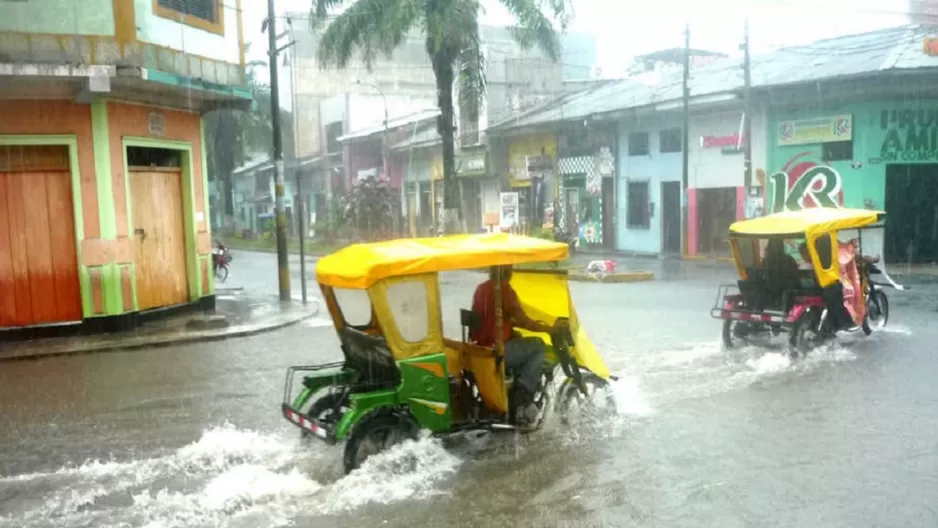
x: 637, y: 198
x: 670, y: 140
x: 204, y: 9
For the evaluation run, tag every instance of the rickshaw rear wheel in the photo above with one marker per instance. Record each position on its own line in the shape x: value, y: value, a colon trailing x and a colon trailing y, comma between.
x: 878, y: 302
x: 570, y: 395
x: 804, y: 334
x: 377, y: 433
x: 325, y: 409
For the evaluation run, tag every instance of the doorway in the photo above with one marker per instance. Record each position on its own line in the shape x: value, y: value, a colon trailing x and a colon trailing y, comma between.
x: 912, y: 214
x: 716, y: 211
x: 608, y: 213
x: 671, y: 217
x: 156, y: 202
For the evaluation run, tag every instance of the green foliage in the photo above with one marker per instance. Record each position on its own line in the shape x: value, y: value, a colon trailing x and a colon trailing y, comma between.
x: 367, y: 209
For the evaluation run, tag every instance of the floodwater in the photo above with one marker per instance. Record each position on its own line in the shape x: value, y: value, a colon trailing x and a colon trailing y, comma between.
x: 191, y: 436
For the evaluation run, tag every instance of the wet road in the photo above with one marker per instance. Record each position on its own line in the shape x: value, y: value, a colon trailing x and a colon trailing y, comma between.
x: 191, y: 436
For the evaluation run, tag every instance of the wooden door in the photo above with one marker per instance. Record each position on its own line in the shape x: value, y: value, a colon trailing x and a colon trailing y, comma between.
x: 38, y: 257
x: 159, y: 237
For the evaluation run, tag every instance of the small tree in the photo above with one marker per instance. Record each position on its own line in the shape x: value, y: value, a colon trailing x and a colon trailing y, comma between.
x: 367, y: 209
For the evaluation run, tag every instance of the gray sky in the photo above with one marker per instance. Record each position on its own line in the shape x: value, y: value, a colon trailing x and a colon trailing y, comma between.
x: 624, y: 30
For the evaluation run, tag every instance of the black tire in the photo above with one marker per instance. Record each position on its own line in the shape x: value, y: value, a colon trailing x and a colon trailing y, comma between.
x: 877, y: 312
x: 800, y: 340
x: 376, y: 433
x: 728, y: 341
x: 325, y: 409
x: 221, y: 273
x: 570, y: 394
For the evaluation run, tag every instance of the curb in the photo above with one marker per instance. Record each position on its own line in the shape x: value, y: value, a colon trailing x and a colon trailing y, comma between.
x: 155, y: 341
x: 613, y: 278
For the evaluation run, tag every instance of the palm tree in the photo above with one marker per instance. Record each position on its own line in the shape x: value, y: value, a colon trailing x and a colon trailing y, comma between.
x: 451, y: 27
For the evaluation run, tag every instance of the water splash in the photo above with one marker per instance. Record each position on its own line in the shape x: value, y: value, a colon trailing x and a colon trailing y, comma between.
x: 229, y: 477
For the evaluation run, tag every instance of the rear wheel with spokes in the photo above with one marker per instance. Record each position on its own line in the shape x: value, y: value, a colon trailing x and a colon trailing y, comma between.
x: 805, y: 334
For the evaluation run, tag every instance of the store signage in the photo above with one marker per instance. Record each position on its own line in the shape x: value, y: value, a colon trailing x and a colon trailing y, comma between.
x: 803, y: 182
x: 508, y: 210
x: 156, y: 124
x: 910, y: 135
x: 819, y: 130
x: 733, y: 142
x: 472, y: 163
x: 538, y: 166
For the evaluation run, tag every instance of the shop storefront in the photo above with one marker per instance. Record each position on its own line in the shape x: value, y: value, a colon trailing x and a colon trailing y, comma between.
x: 478, y: 190
x: 586, y: 201
x: 533, y: 176
x: 876, y: 155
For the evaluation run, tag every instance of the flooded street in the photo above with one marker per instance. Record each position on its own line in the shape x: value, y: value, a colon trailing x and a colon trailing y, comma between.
x: 192, y: 436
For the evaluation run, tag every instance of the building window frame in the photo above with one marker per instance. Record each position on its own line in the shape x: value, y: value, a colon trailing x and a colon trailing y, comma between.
x: 670, y: 141
x: 217, y: 27
x: 639, y: 144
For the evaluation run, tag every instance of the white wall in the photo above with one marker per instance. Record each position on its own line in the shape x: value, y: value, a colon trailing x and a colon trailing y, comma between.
x: 64, y: 17
x: 366, y: 110
x: 711, y: 167
x: 171, y: 34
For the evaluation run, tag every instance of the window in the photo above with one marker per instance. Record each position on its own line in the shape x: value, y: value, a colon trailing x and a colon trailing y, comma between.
x: 409, y: 307
x: 670, y: 140
x: 354, y: 305
x: 202, y: 14
x: 637, y: 198
x: 837, y: 151
x: 638, y: 144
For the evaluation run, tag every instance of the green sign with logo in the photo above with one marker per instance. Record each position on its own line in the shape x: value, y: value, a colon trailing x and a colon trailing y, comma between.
x: 472, y: 163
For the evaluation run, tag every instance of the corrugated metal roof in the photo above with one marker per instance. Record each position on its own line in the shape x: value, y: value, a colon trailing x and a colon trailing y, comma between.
x: 897, y: 48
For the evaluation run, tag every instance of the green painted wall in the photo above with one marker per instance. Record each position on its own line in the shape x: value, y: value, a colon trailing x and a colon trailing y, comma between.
x: 67, y: 17
x: 884, y: 132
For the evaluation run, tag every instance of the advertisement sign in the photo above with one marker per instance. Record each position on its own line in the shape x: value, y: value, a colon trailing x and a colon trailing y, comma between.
x: 508, y: 209
x: 472, y: 163
x: 819, y: 130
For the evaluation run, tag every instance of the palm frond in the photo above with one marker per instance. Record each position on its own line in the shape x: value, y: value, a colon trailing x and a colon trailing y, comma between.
x: 369, y: 27
x: 534, y: 28
x: 320, y: 12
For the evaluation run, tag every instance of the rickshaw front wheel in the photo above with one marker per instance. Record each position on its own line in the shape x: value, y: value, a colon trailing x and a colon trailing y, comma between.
x: 599, y: 399
x: 377, y: 433
x: 877, y: 312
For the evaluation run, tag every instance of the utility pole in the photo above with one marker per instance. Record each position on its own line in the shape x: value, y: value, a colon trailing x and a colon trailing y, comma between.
x: 747, y: 113
x: 301, y: 206
x: 283, y: 264
x: 685, y: 159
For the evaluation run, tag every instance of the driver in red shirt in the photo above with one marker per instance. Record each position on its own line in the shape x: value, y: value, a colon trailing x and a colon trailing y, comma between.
x: 524, y: 355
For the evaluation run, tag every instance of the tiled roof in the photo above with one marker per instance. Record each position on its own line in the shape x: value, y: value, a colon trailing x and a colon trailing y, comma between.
x: 893, y: 49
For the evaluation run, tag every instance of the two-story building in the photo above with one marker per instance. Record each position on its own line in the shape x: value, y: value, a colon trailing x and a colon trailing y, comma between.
x: 103, y: 187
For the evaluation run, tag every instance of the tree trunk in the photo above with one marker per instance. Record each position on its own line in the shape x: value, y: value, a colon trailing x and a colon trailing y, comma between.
x: 443, y: 69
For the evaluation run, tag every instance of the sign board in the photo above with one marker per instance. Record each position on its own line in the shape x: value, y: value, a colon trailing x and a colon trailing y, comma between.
x: 819, y: 130
x: 156, y: 124
x: 538, y: 166
x: 730, y: 143
x: 508, y: 209
x: 473, y: 163
x: 930, y: 46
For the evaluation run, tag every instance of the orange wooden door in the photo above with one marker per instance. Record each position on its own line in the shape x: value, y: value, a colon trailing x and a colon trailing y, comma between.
x: 159, y: 236
x: 38, y: 257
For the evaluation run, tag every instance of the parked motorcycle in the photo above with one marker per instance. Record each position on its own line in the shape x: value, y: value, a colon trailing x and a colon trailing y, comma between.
x: 221, y: 257
x: 569, y: 238
x: 877, y: 304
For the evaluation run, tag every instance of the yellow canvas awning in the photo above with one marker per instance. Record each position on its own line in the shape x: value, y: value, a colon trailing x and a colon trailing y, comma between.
x: 806, y: 222
x: 361, y: 265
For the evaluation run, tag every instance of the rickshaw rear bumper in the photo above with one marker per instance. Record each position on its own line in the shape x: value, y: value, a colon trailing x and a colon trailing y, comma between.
x: 314, y: 427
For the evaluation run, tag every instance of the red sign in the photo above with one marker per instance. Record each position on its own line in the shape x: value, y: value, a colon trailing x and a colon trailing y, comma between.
x: 930, y: 46
x: 720, y: 141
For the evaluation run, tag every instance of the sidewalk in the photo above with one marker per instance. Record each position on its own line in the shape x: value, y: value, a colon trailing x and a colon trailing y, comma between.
x: 237, y: 313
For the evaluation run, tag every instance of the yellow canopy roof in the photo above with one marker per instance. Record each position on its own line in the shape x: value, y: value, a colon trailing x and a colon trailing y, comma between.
x: 806, y: 222
x: 361, y: 265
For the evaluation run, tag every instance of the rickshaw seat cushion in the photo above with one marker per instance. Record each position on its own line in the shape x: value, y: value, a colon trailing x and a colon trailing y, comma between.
x: 369, y: 355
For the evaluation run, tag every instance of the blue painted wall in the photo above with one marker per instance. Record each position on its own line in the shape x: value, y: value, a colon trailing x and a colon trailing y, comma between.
x: 655, y: 167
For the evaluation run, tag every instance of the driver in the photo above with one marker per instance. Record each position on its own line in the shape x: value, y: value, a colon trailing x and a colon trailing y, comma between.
x: 524, y: 355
